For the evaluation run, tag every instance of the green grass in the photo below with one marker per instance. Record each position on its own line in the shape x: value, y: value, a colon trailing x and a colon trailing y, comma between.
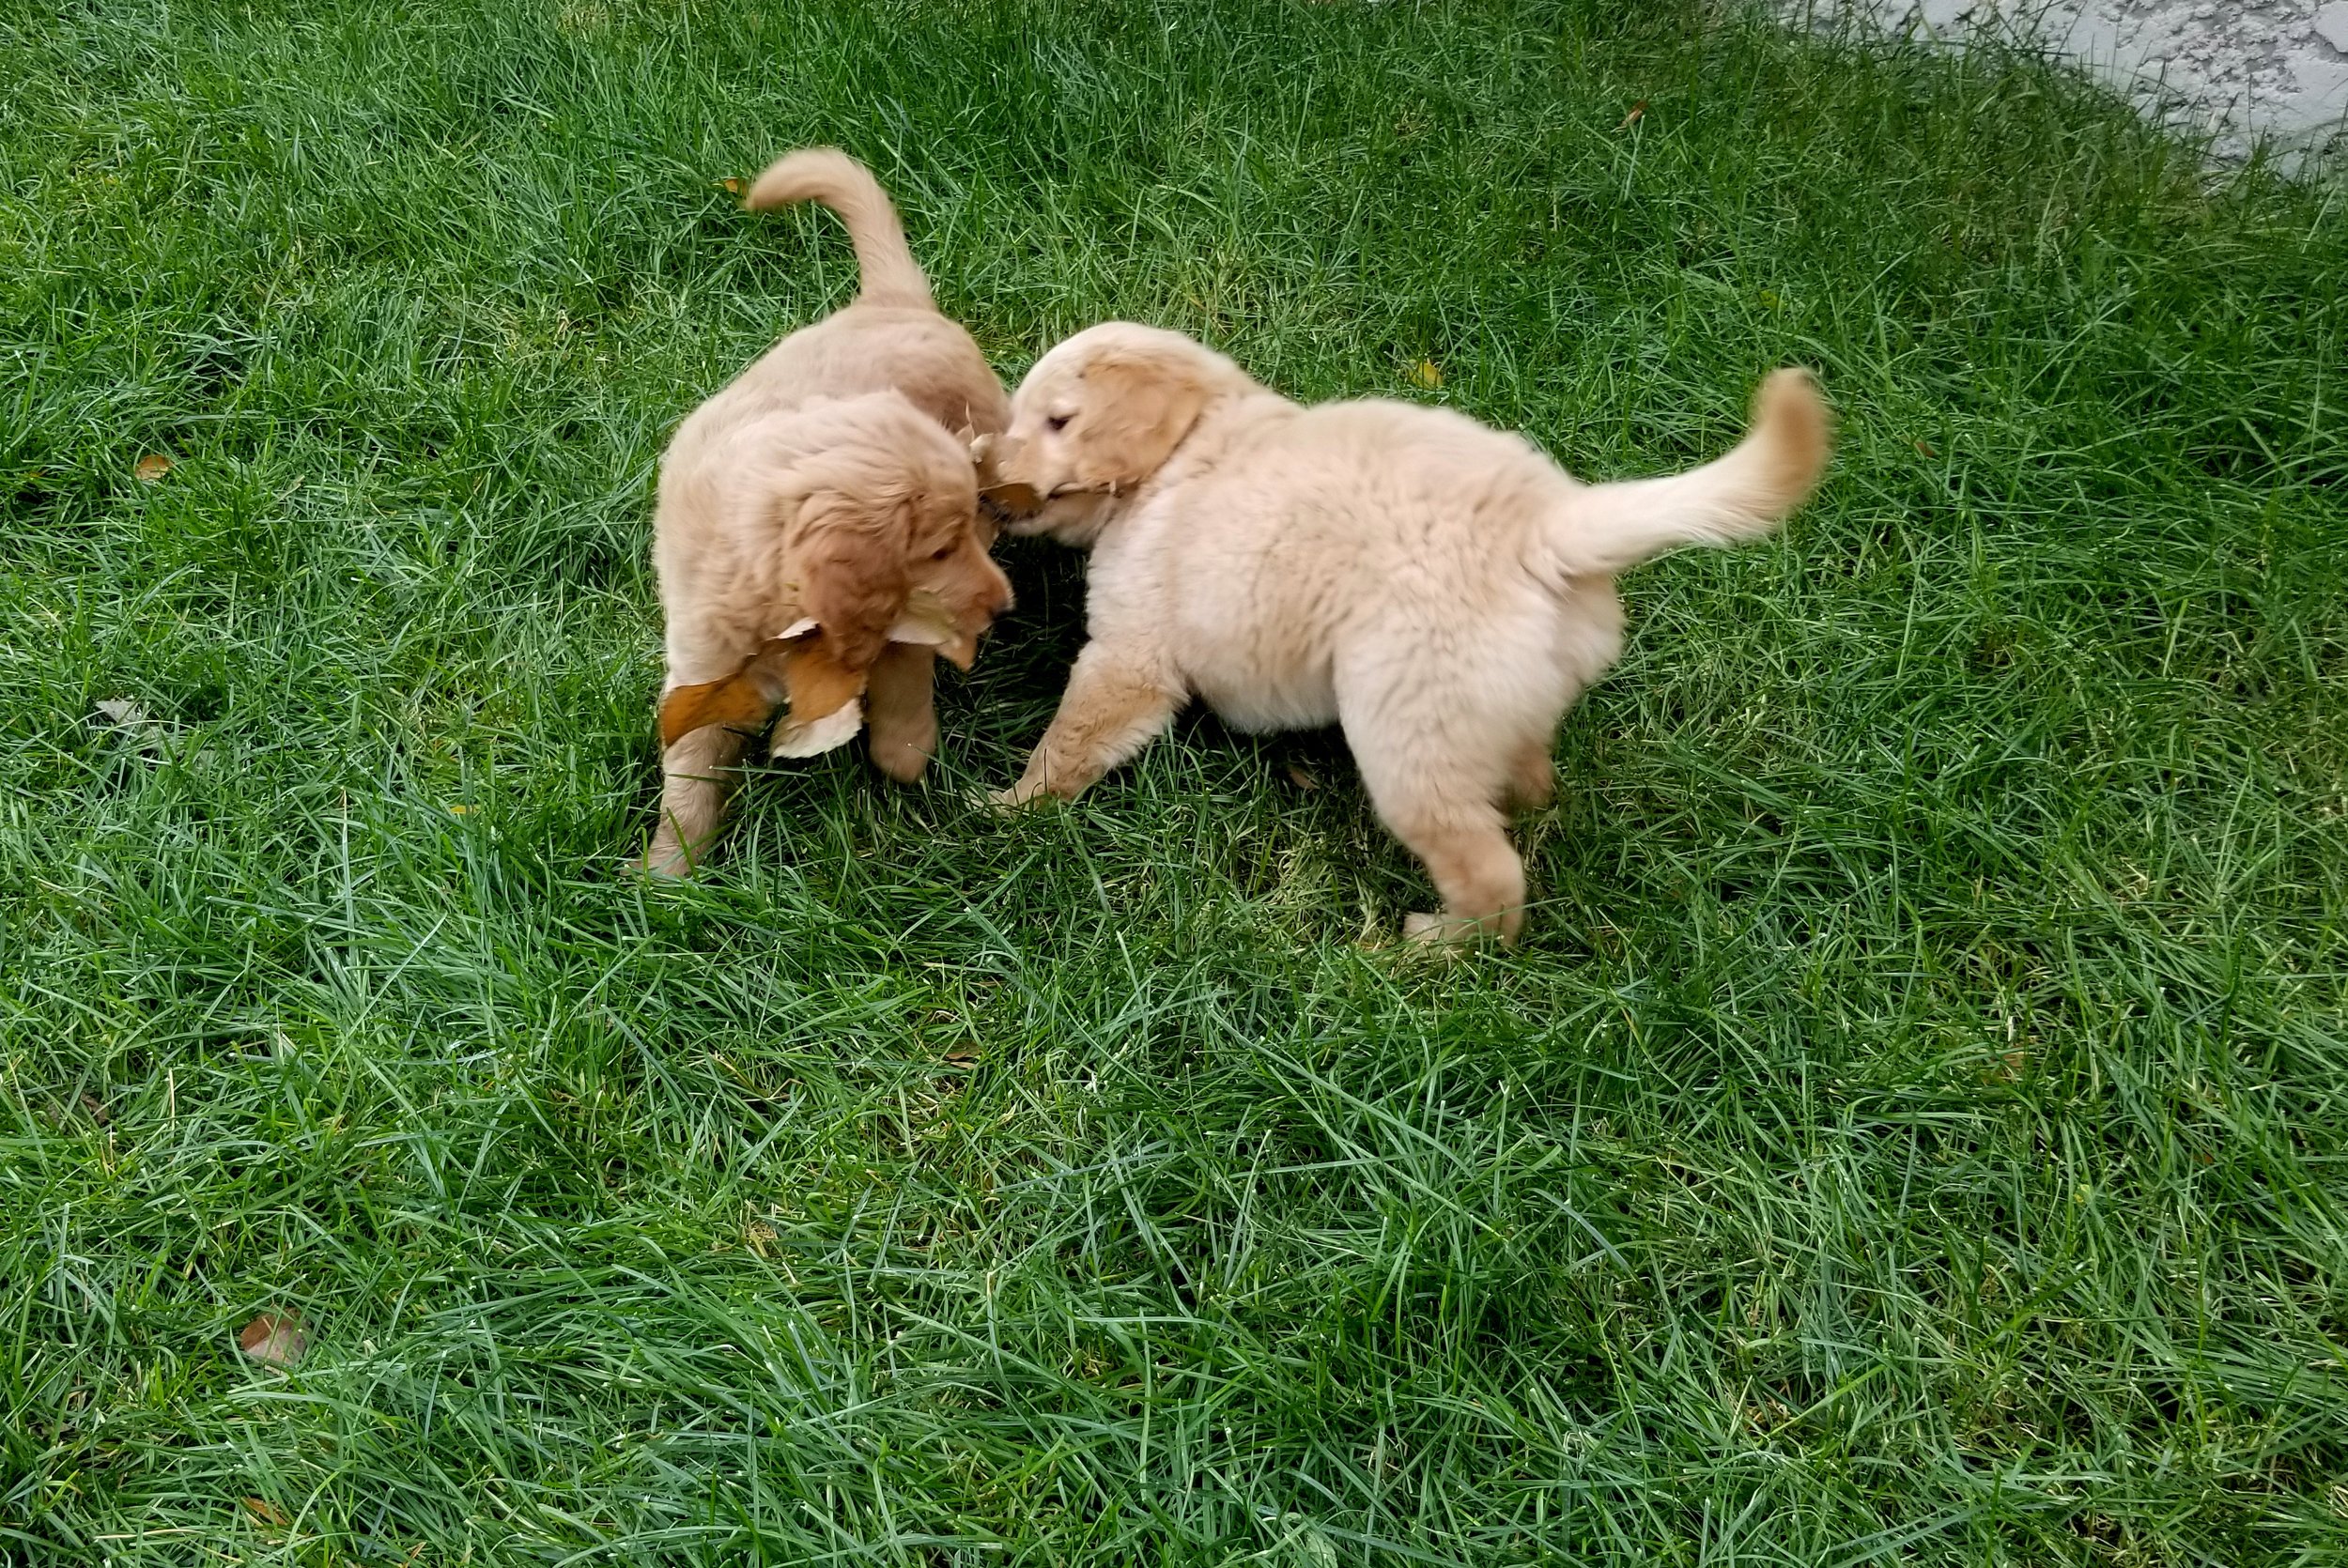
x: 1913, y: 1132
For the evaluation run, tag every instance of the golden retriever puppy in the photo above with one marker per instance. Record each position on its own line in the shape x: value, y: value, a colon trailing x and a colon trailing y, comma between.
x: 831, y: 480
x: 1440, y: 589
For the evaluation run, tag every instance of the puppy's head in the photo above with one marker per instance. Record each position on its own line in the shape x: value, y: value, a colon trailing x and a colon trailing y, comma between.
x: 887, y: 526
x: 1099, y: 415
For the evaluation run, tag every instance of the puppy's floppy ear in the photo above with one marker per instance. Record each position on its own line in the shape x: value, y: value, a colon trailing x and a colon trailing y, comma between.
x: 1136, y: 410
x: 850, y: 563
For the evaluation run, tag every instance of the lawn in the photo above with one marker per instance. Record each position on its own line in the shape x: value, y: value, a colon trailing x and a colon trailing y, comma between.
x: 1914, y: 1130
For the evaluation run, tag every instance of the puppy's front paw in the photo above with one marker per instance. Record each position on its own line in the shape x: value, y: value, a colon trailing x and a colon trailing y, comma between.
x: 1441, y: 930
x: 900, y: 760
x: 656, y: 865
x: 1017, y: 798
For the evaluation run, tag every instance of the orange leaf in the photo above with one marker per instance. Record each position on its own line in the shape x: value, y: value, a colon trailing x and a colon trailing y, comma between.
x: 1011, y: 499
x: 745, y: 700
x: 151, y: 467
x: 1633, y: 118
x: 731, y: 186
x: 265, y: 1510
x: 819, y: 688
x: 736, y: 701
x: 802, y: 671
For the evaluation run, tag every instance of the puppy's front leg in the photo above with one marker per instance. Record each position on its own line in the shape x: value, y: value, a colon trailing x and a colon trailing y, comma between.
x: 696, y: 775
x: 901, y: 711
x: 1116, y: 703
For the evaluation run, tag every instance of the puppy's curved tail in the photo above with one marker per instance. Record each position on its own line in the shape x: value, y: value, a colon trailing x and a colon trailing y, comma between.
x: 1605, y: 529
x: 827, y: 174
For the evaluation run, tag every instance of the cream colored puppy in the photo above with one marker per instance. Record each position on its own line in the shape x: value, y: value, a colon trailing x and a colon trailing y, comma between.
x: 1441, y: 591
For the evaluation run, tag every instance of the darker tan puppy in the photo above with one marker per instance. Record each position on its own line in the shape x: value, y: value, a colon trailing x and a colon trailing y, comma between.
x: 831, y: 482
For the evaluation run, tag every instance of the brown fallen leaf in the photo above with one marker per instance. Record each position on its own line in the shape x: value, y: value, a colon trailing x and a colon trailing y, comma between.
x: 265, y: 1510
x: 801, y: 673
x: 962, y: 1056
x: 274, y: 1339
x: 1000, y: 505
x: 150, y: 468
x: 1630, y: 119
x: 926, y: 623
x: 1427, y: 374
x: 821, y: 694
x: 816, y: 681
x: 745, y: 700
x: 1011, y: 499
x: 731, y: 186
x: 1924, y: 447
x: 738, y: 700
x: 795, y: 738
x: 1301, y: 779
x: 97, y: 1109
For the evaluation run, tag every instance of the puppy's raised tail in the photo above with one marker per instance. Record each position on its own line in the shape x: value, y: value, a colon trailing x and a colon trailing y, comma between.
x: 1605, y: 529
x: 827, y: 174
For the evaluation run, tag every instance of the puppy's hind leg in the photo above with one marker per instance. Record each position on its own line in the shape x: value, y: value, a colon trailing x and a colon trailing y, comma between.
x: 901, y: 711
x: 1532, y: 777
x: 1473, y: 866
x: 1437, y: 773
x: 696, y: 775
x: 1114, y: 704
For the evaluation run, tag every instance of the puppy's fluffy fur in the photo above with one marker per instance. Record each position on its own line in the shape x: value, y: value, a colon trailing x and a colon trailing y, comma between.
x: 1441, y: 591
x: 831, y: 479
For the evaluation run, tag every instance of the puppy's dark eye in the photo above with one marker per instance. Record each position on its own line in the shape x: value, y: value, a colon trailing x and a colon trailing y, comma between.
x: 1058, y: 422
x: 941, y: 552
